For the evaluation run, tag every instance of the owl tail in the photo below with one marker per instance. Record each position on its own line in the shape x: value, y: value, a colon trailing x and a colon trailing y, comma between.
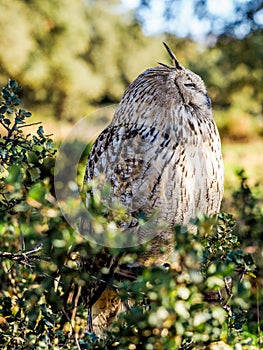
x: 105, y: 311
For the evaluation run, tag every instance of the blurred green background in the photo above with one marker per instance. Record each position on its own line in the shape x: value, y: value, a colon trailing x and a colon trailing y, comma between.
x: 73, y: 57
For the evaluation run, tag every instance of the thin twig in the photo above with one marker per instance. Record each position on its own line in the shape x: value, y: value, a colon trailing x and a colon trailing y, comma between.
x: 72, y: 328
x: 124, y: 274
x: 25, y: 258
x: 26, y: 125
x: 73, y: 315
x: 6, y: 127
x: 76, y: 299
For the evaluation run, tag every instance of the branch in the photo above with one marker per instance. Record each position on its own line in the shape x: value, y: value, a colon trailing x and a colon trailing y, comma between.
x: 26, y: 125
x: 6, y: 127
x: 26, y: 258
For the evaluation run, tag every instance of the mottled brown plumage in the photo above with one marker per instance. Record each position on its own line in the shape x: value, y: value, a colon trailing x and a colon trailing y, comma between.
x: 162, y: 153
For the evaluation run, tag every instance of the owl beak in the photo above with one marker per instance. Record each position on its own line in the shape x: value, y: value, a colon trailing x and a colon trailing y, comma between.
x: 173, y: 57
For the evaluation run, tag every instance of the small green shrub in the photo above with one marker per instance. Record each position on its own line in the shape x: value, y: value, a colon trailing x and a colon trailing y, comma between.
x: 201, y: 301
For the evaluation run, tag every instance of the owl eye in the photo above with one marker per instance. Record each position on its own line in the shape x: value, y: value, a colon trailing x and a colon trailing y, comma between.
x: 190, y: 85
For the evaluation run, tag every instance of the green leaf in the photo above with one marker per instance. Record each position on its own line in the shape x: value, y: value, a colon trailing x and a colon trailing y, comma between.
x: 9, y: 111
x: 21, y: 207
x: 6, y: 94
x: 49, y: 164
x: 20, y: 121
x: 15, y: 174
x: 40, y: 131
x: 249, y: 259
x: 37, y: 192
x: 34, y: 173
x: 49, y: 144
x: 36, y: 140
x: 25, y: 113
x: 7, y: 121
x: 12, y: 84
x: 32, y: 158
x: 3, y: 109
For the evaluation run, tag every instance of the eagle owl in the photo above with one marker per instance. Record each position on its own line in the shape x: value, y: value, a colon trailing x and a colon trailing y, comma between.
x: 161, y: 153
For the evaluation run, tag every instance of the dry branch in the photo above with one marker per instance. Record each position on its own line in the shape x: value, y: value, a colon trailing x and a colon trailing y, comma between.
x: 27, y: 258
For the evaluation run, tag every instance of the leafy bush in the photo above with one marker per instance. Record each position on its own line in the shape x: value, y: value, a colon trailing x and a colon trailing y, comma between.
x: 200, y: 302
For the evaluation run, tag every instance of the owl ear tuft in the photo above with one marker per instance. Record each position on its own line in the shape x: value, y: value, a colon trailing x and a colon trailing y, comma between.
x: 173, y: 57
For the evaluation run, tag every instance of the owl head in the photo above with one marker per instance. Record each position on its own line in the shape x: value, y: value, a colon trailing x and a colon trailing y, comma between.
x: 167, y: 87
x: 189, y: 85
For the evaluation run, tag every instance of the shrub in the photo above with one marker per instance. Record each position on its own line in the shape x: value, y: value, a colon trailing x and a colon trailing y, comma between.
x: 201, y: 302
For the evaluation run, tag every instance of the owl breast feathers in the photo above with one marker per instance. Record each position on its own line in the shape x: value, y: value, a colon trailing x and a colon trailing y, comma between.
x: 162, y: 150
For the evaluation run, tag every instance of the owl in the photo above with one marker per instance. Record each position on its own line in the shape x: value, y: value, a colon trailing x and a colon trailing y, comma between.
x: 161, y: 156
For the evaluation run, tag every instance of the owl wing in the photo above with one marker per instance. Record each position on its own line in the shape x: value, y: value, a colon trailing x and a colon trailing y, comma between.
x: 133, y: 159
x: 126, y: 155
x: 101, y: 268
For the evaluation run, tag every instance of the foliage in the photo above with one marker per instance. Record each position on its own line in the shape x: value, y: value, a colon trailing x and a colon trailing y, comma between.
x: 200, y: 301
x: 71, y: 52
x: 230, y: 64
x: 243, y: 16
x: 169, y: 308
x: 250, y: 212
x: 108, y: 50
x: 24, y: 158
